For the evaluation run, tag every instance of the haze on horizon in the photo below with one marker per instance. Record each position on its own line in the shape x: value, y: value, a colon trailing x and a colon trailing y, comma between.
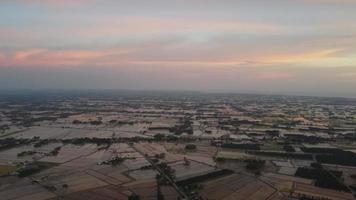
x: 277, y: 46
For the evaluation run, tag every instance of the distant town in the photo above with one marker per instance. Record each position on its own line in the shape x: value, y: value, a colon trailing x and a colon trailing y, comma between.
x: 176, y: 146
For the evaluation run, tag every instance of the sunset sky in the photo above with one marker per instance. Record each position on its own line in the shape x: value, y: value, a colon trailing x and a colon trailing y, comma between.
x: 277, y: 46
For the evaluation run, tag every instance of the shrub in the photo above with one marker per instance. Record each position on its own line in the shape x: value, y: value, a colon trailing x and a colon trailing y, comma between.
x: 253, y: 164
x: 190, y: 147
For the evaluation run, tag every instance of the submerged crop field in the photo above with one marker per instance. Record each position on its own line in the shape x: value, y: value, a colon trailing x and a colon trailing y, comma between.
x: 206, y: 146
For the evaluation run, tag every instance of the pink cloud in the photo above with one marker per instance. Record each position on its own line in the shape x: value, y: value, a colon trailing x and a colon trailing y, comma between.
x: 59, y: 2
x: 111, y: 25
x: 274, y: 75
x: 2, y: 57
x: 139, y: 56
x: 347, y: 76
x: 27, y: 54
x: 47, y: 57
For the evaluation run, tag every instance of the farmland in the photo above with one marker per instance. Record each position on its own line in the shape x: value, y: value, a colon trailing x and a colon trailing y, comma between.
x: 188, y: 147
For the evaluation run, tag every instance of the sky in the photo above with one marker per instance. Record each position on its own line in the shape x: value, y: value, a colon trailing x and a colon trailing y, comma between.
x: 305, y: 47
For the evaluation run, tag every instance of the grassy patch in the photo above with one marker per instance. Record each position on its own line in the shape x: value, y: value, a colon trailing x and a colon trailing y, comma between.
x: 5, y: 169
x: 34, y: 168
x: 272, y: 146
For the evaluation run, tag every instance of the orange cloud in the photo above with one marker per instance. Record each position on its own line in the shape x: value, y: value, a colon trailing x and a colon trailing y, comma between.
x: 308, y: 56
x: 347, y: 76
x: 274, y: 75
x: 26, y: 54
x: 112, y: 26
x: 59, y: 2
x: 59, y: 57
x: 163, y: 55
x: 319, y: 58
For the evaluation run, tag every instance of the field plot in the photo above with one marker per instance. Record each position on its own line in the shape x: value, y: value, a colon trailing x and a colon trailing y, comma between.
x: 70, y: 152
x: 55, y: 173
x: 43, y: 133
x: 78, y: 182
x: 225, y: 186
x: 108, y: 179
x: 161, y: 126
x: 283, y: 183
x: 123, y: 134
x: 214, y: 133
x: 90, y: 133
x: 288, y: 178
x: 25, y: 190
x: 183, y: 171
x: 82, y: 118
x: 234, y: 165
x: 48, y: 147
x: 133, y: 164
x: 287, y: 170
x: 176, y: 148
x: 10, y: 155
x: 136, y: 127
x: 286, y: 167
x: 110, y: 192
x: 301, y: 163
x: 113, y: 172
x: 134, y: 159
x: 129, y: 131
x: 150, y: 149
x: 153, y: 149
x: 7, y: 181
x: 202, y: 159
x: 234, y: 155
x: 313, y: 191
x: 75, y: 180
x: 88, y: 155
x: 203, y: 152
x: 143, y: 174
x: 91, y: 159
x: 147, y: 189
x: 277, y: 196
x: 11, y: 131
x: 169, y: 193
x: 124, y: 150
x: 236, y: 186
x: 282, y: 163
x: 253, y: 191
